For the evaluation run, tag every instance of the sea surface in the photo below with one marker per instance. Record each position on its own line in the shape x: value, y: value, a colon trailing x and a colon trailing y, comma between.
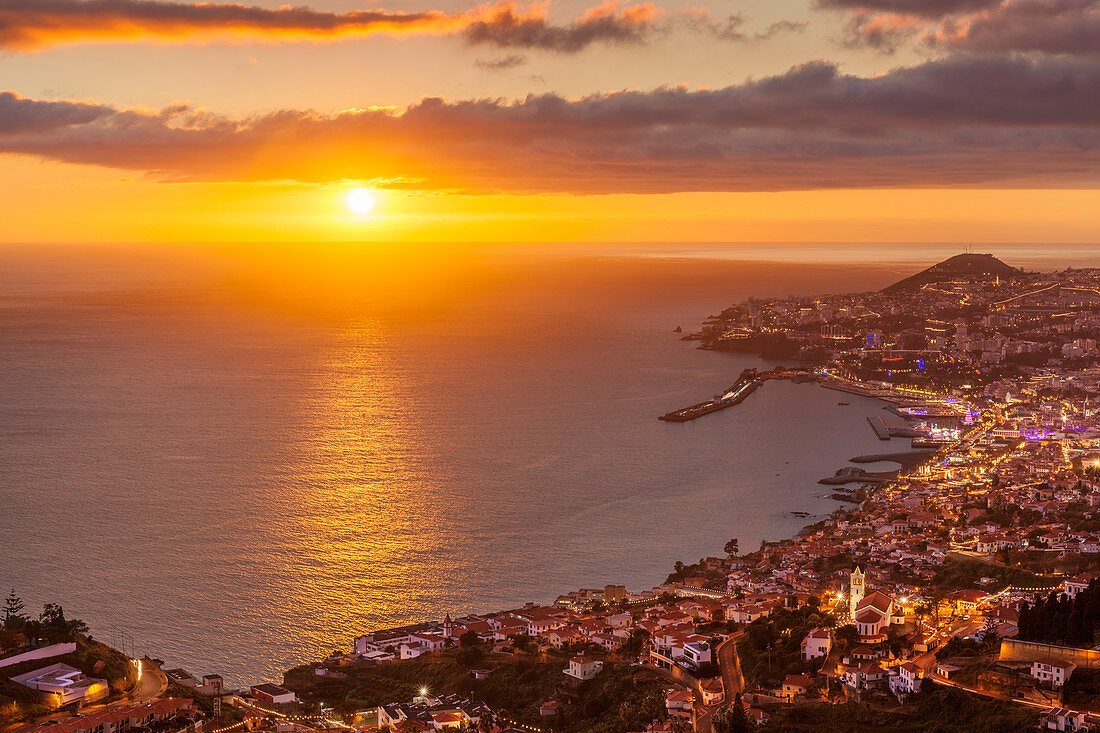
x: 237, y: 458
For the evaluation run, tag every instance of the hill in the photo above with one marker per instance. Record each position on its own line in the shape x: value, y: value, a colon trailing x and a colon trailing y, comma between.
x: 964, y: 266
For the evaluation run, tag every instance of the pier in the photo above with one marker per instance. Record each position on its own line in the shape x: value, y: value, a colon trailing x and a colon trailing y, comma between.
x: 882, y: 430
x: 745, y: 385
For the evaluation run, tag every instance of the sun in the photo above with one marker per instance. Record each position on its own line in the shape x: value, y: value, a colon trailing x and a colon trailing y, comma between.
x: 360, y: 201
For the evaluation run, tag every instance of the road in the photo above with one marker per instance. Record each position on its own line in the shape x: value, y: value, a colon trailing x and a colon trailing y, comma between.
x: 153, y: 683
x: 730, y: 663
x: 732, y: 683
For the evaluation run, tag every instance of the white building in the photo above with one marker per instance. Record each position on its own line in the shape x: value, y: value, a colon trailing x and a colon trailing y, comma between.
x: 60, y: 685
x: 697, y: 652
x: 1052, y: 671
x: 818, y: 643
x: 273, y: 694
x: 583, y: 668
x: 1062, y: 719
x: 905, y: 679
x: 1076, y: 584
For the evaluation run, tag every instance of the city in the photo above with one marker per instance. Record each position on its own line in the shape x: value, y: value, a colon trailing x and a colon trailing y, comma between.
x: 968, y: 577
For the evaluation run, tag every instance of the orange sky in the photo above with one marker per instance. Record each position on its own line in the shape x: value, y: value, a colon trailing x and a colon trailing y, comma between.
x: 788, y: 121
x: 92, y: 204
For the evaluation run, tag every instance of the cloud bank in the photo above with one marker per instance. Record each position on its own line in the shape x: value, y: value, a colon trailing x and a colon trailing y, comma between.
x: 34, y: 25
x: 995, y: 121
x: 976, y: 26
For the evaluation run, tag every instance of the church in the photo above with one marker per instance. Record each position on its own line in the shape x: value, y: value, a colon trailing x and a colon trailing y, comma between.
x: 873, y: 613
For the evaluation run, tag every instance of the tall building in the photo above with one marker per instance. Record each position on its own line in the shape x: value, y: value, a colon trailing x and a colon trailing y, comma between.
x: 856, y: 591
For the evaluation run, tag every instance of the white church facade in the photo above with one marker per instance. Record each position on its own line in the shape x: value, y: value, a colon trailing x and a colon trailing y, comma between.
x: 871, y: 613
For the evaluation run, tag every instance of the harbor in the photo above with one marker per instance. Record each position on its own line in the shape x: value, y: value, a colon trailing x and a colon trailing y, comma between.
x: 745, y: 385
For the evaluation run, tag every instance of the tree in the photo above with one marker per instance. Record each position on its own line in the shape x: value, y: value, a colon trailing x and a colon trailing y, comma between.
x: 468, y: 656
x: 733, y: 718
x: 707, y: 669
x: 678, y: 567
x: 14, y: 618
x: 468, y: 638
x: 53, y: 617
x: 848, y: 634
x: 731, y: 547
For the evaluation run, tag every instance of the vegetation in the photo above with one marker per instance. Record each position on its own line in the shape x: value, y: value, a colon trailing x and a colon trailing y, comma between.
x: 91, y: 657
x: 619, y: 699
x: 934, y: 709
x: 20, y: 632
x: 772, y: 646
x: 1082, y: 689
x: 957, y: 573
x: 733, y: 719
x: 1058, y: 620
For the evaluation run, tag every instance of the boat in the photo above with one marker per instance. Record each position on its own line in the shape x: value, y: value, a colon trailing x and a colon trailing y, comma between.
x: 843, y: 403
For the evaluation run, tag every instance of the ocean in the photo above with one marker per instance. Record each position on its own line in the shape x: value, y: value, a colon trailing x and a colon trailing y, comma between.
x: 236, y: 458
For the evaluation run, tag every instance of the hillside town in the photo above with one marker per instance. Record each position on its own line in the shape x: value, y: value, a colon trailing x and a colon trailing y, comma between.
x: 968, y: 577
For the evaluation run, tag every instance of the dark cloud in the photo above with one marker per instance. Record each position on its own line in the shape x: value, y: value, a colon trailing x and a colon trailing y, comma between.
x: 503, y: 63
x: 990, y: 121
x: 918, y: 8
x: 726, y: 29
x: 779, y: 28
x: 19, y: 114
x: 507, y: 26
x: 884, y: 32
x: 1047, y: 26
x: 30, y: 25
x: 1043, y: 26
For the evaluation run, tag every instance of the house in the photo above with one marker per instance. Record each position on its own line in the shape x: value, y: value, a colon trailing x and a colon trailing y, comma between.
x: 712, y: 691
x: 447, y: 719
x: 905, y: 679
x: 678, y: 700
x: 549, y: 708
x: 697, y: 652
x: 431, y: 642
x: 796, y: 685
x: 59, y: 685
x: 757, y: 716
x: 610, y: 642
x: 1062, y: 719
x: 380, y: 641
x: 1078, y: 583
x: 962, y: 602
x: 273, y: 694
x: 449, y: 712
x: 618, y: 620
x: 583, y: 668
x: 563, y: 636
x: 865, y: 676
x: 946, y: 670
x: 182, y: 677
x: 412, y: 650
x: 1052, y: 671
x: 118, y: 719
x: 817, y: 643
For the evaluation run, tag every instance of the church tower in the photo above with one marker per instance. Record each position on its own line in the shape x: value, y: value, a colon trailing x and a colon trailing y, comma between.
x: 856, y: 590
x: 447, y: 626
